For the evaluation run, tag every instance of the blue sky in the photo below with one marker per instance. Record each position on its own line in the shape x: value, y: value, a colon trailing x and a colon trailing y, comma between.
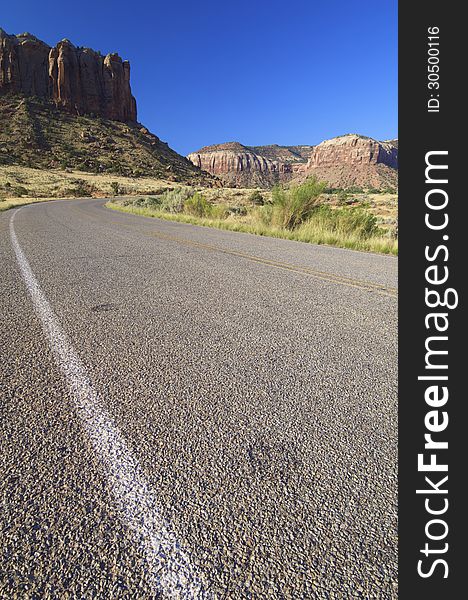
x: 254, y: 71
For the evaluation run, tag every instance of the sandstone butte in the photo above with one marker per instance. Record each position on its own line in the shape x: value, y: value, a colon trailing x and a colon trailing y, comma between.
x: 79, y: 80
x: 239, y: 164
x: 355, y: 150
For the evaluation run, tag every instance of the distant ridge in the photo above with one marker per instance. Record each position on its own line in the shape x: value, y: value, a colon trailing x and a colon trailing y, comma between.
x: 344, y: 161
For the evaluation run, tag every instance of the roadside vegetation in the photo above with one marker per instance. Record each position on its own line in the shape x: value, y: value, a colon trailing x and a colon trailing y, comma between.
x: 350, y: 218
x: 16, y: 202
x: 296, y: 212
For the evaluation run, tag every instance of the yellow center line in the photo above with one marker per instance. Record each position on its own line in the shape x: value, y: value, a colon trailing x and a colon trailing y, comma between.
x: 377, y: 288
x: 324, y: 276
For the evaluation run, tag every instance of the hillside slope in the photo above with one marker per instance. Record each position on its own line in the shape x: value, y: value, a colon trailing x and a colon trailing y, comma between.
x: 69, y: 107
x: 35, y: 133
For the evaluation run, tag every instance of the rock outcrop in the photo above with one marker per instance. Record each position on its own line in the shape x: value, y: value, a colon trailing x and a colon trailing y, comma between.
x: 241, y: 166
x: 36, y: 133
x: 78, y: 80
x: 345, y: 161
x: 354, y: 160
x: 293, y: 155
x: 354, y: 150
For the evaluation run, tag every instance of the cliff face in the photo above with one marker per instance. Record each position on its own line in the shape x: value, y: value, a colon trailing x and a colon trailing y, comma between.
x: 354, y: 160
x: 78, y: 80
x: 354, y: 150
x: 285, y: 154
x: 240, y: 165
x: 349, y: 160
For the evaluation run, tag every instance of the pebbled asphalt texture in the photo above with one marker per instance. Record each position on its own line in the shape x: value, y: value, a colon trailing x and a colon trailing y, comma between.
x: 253, y: 379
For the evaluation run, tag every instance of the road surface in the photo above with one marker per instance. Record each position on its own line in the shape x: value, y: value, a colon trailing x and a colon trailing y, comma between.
x: 193, y: 413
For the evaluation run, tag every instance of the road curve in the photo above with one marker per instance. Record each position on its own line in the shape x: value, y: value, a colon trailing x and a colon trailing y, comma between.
x: 193, y: 413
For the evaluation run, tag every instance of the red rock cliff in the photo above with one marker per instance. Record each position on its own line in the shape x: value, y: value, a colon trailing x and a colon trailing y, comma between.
x: 78, y: 80
x: 239, y: 165
x: 356, y: 150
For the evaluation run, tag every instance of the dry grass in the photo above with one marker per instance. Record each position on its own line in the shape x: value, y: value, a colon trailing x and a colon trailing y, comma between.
x: 17, y: 181
x: 15, y: 202
x: 308, y: 232
x: 51, y: 183
x: 23, y: 185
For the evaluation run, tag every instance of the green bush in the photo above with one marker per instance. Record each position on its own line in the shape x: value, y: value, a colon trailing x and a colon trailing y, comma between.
x: 294, y: 205
x: 345, y: 221
x: 257, y: 198
x: 219, y: 211
x: 342, y: 197
x: 265, y: 214
x: 173, y: 200
x: 355, y: 189
x: 19, y: 190
x: 198, y: 206
x: 115, y: 188
x: 143, y: 202
x: 240, y: 211
x: 80, y: 189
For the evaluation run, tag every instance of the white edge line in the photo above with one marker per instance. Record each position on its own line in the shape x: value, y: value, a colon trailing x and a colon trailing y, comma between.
x: 169, y: 566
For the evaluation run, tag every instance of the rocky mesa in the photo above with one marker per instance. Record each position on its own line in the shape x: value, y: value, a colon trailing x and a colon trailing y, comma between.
x: 68, y: 107
x: 354, y: 160
x: 80, y: 80
x: 250, y: 166
x: 344, y: 161
x: 354, y: 149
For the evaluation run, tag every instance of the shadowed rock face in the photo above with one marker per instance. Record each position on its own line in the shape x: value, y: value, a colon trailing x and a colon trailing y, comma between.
x: 78, y: 80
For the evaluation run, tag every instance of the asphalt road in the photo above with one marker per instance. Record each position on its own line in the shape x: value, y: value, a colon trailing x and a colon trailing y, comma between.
x: 193, y: 413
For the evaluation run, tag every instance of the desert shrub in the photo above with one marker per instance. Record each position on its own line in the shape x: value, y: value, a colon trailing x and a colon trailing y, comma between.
x: 18, y: 190
x: 18, y: 177
x: 127, y: 202
x: 363, y: 202
x: 292, y: 206
x: 173, y: 201
x: 80, y: 188
x: 256, y: 198
x: 264, y: 214
x: 115, y: 188
x: 355, y: 189
x: 198, y: 206
x: 140, y: 202
x: 219, y: 211
x: 346, y: 221
x: 342, y: 197
x: 239, y: 211
x: 153, y: 202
